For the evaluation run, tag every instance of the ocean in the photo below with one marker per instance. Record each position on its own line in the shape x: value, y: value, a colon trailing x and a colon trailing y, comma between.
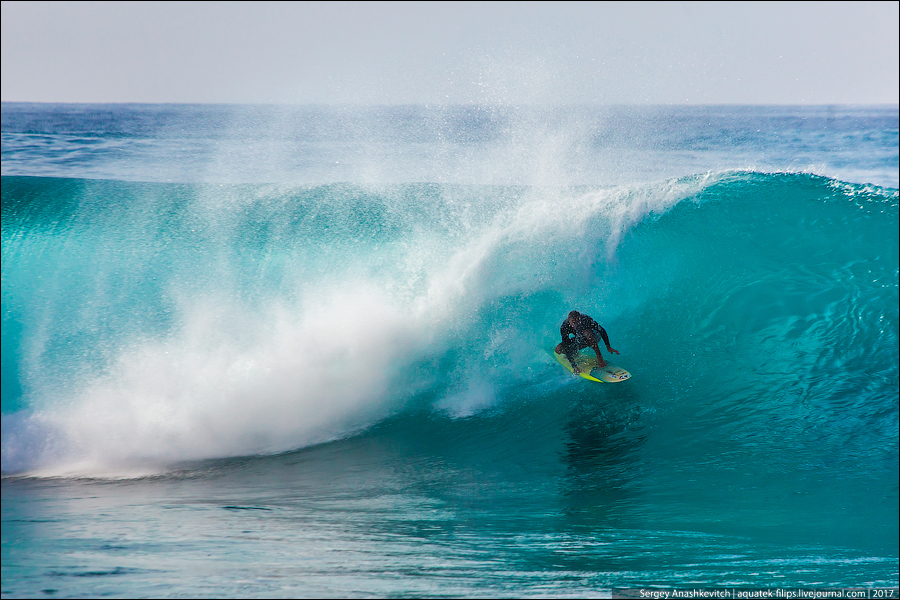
x: 278, y: 351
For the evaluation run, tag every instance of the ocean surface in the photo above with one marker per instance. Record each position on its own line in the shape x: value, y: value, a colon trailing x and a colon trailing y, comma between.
x: 267, y: 351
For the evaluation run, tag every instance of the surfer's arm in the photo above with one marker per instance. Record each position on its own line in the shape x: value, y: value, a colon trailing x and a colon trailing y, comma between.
x: 606, y: 340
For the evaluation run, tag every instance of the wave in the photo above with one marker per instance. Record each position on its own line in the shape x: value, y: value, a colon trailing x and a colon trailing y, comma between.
x: 145, y: 324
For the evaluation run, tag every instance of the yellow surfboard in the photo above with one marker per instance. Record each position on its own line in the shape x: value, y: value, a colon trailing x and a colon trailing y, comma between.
x: 587, y: 364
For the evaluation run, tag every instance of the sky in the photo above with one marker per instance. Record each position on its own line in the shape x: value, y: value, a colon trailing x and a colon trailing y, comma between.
x: 508, y: 53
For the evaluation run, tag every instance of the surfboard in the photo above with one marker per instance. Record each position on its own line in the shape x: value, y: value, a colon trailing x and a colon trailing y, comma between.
x: 587, y: 364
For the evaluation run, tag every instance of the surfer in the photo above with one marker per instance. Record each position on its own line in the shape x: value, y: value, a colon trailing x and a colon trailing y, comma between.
x: 586, y: 331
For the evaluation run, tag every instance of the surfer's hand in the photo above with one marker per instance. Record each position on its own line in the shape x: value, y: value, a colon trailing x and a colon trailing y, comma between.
x: 611, y: 350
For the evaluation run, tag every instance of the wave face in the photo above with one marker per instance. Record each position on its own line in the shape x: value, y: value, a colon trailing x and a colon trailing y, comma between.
x: 146, y: 324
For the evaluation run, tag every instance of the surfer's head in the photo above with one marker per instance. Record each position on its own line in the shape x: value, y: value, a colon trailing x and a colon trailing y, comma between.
x: 573, y: 317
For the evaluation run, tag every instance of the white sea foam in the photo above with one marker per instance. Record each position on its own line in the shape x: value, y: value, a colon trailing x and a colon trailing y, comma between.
x: 323, y: 358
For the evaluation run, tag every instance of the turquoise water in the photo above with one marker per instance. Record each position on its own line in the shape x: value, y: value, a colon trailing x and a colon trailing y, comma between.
x: 318, y: 362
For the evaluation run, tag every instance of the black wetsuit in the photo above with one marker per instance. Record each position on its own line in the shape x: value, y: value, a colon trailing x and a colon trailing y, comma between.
x: 571, y: 345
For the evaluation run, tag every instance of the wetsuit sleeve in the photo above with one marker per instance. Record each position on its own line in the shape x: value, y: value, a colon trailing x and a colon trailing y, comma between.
x: 603, y: 335
x: 565, y: 330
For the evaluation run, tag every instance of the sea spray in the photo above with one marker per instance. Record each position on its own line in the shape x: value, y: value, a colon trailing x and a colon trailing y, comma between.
x: 218, y: 320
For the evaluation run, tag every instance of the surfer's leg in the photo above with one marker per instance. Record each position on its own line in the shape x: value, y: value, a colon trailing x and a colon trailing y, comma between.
x: 571, y: 351
x: 590, y: 341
